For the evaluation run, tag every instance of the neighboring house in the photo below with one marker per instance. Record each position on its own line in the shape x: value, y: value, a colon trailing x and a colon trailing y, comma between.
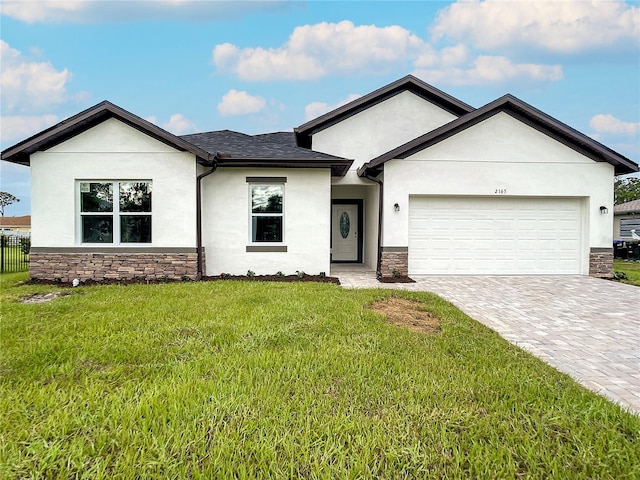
x: 626, y: 217
x: 626, y: 230
x: 405, y: 179
x: 16, y: 224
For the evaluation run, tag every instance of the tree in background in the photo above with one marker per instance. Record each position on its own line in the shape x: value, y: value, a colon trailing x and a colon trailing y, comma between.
x: 625, y: 190
x: 6, y: 199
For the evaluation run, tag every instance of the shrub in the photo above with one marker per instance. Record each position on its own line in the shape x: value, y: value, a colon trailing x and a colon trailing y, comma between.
x: 620, y: 276
x: 25, y: 245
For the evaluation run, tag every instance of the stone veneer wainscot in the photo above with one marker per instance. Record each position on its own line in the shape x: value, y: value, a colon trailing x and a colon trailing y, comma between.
x: 601, y: 262
x: 394, y: 259
x: 101, y: 266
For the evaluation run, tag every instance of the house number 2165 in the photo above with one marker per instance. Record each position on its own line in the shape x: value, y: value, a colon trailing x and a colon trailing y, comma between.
x: 501, y: 191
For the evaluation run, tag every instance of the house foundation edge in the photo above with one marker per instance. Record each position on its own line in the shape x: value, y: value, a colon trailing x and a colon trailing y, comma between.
x: 65, y: 267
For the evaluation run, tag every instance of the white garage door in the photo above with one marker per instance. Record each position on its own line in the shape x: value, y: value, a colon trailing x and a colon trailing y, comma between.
x: 494, y: 235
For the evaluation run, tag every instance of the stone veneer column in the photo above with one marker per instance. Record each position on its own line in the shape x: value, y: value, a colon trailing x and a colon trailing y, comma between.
x: 49, y: 264
x: 394, y: 258
x: 601, y: 262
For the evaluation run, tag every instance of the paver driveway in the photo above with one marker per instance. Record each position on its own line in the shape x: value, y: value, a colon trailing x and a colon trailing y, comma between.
x: 583, y: 326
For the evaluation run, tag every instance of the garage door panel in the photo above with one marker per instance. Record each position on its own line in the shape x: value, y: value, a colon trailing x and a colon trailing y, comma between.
x: 506, y: 235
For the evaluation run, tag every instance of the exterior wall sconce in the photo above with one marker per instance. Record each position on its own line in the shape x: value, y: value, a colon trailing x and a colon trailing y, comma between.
x: 396, y: 207
x: 604, y: 210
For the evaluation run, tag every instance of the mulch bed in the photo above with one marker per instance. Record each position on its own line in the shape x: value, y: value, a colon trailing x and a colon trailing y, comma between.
x: 274, y: 278
x: 215, y: 278
x: 400, y: 279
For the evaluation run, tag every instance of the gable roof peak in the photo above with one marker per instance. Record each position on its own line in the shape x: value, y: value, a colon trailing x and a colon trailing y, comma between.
x: 407, y: 83
x: 89, y: 118
x: 522, y: 111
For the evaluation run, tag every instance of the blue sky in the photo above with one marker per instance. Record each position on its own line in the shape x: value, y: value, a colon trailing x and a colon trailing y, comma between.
x: 270, y: 66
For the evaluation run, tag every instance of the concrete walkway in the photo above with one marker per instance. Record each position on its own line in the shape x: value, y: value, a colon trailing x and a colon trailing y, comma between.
x: 585, y: 327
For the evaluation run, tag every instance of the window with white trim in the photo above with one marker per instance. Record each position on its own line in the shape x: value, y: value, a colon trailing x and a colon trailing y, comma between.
x: 267, y: 212
x: 115, y: 212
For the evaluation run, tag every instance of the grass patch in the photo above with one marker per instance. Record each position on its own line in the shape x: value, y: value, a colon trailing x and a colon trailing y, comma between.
x: 630, y: 269
x: 254, y: 380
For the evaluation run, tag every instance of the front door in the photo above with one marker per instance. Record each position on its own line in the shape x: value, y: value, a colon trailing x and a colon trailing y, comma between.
x: 345, y: 235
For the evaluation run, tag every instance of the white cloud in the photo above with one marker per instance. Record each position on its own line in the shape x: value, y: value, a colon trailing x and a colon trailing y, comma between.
x: 178, y: 124
x: 18, y: 127
x: 566, y: 27
x: 102, y: 11
x: 236, y: 102
x: 608, y: 124
x: 28, y: 85
x: 487, y: 70
x: 225, y: 56
x: 314, y: 51
x: 315, y: 109
x: 445, y: 58
x: 42, y: 11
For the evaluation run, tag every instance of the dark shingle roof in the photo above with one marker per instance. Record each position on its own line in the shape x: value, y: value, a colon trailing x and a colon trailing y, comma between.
x: 267, y: 150
x: 278, y: 145
x: 276, y: 150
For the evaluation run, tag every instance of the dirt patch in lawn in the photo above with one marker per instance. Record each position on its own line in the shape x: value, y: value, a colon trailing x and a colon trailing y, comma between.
x: 43, y: 297
x: 407, y: 314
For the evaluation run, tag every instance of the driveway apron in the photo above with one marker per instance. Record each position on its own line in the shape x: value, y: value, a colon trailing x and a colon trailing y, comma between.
x: 586, y: 327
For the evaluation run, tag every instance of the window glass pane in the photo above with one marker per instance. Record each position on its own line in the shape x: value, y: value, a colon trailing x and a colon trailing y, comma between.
x: 267, y: 229
x: 97, y: 229
x: 135, y: 229
x: 135, y: 197
x: 96, y: 197
x: 628, y: 224
x: 266, y: 198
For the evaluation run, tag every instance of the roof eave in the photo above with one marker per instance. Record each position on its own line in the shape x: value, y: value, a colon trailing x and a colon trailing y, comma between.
x: 339, y: 168
x: 68, y: 128
x: 525, y: 112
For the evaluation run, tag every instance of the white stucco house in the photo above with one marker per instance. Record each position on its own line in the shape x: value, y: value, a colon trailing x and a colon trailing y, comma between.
x: 406, y: 178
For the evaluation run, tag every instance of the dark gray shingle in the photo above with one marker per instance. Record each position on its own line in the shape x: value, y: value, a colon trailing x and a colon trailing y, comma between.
x: 277, y: 145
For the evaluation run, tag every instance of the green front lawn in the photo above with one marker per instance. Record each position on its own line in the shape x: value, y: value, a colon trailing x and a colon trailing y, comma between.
x: 631, y: 270
x: 255, y: 380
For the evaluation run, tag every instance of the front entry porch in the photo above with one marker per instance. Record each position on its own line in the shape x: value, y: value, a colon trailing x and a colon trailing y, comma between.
x: 354, y: 224
x: 355, y: 275
x: 346, y: 231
